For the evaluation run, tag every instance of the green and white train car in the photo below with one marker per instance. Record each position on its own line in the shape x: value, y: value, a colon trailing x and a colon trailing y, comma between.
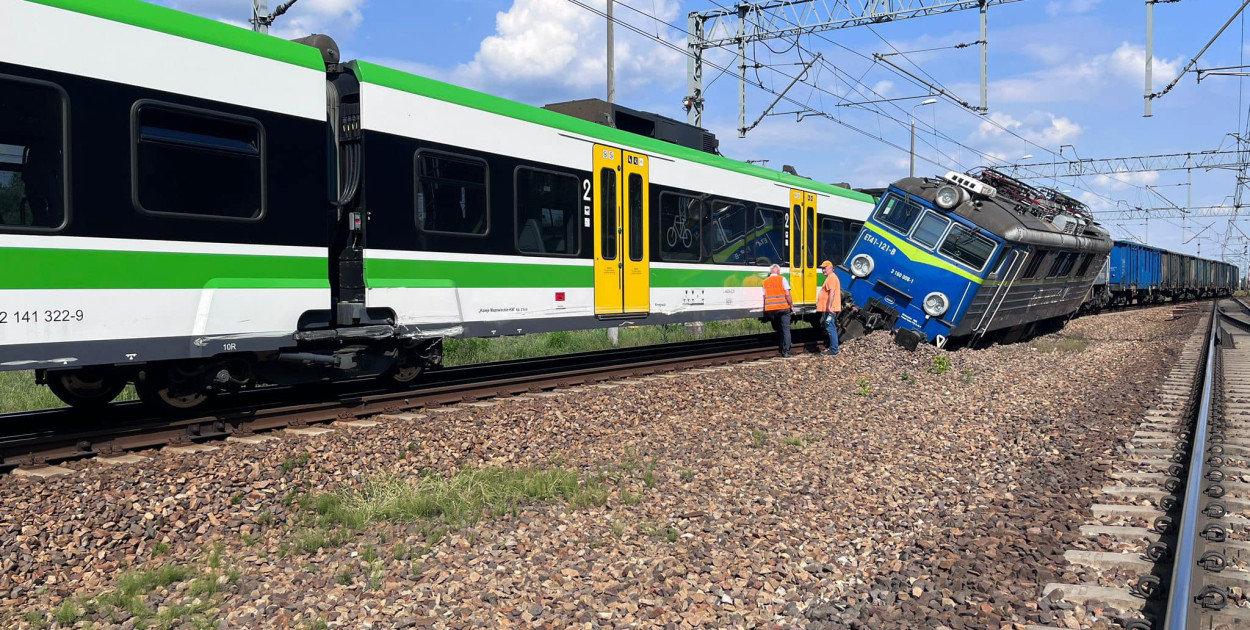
x: 197, y: 208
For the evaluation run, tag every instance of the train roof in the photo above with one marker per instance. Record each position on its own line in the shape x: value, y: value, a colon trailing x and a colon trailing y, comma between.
x: 398, y: 80
x: 161, y: 19
x: 1001, y: 218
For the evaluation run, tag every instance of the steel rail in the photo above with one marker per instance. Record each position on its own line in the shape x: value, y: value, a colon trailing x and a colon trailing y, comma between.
x: 500, y: 381
x: 1181, y: 588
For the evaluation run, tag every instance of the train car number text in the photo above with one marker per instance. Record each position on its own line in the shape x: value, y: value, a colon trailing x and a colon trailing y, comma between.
x: 53, y: 316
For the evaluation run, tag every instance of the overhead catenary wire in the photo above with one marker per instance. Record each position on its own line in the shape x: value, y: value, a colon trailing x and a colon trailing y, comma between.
x: 809, y: 111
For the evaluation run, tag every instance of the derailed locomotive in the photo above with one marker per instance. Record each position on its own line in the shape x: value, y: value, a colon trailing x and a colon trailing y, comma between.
x: 975, y: 258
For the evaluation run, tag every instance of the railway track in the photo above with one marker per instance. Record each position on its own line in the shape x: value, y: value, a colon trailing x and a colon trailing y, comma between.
x: 65, y: 434
x: 1169, y: 542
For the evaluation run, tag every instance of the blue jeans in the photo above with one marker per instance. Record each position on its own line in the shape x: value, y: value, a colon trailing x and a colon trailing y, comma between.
x: 831, y: 326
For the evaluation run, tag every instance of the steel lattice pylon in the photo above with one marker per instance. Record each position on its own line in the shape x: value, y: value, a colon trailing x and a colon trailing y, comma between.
x: 748, y: 22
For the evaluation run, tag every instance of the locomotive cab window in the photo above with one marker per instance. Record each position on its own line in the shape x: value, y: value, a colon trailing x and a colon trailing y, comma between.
x: 452, y: 195
x: 32, y: 156
x: 547, y: 206
x: 681, y: 220
x: 930, y: 229
x: 898, y: 213
x: 967, y: 247
x: 197, y: 163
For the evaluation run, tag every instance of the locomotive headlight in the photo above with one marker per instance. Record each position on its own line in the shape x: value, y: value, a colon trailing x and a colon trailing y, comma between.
x: 861, y: 265
x: 936, y: 303
x: 947, y: 197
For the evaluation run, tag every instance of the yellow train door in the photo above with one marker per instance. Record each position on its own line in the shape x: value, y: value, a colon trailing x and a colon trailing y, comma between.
x: 803, y: 277
x: 637, y: 242
x: 622, y: 264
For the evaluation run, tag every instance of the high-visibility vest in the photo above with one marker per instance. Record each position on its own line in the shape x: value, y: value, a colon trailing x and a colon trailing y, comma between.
x: 775, y: 294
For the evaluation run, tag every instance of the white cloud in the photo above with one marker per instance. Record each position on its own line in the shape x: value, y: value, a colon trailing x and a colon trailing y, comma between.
x: 553, y: 49
x: 1125, y: 180
x: 1082, y: 79
x: 1004, y: 139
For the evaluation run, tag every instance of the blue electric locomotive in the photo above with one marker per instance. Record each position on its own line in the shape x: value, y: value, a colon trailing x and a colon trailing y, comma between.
x: 978, y: 258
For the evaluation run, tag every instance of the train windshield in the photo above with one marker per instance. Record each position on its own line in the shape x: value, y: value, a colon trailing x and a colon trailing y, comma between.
x: 929, y: 230
x: 967, y: 247
x: 897, y: 213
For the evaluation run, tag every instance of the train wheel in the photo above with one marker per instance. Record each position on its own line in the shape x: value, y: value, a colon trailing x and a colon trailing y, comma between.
x: 155, y: 391
x: 85, y: 389
x: 405, y: 371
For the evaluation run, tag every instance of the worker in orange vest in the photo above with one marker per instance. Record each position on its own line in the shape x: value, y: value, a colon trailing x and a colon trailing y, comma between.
x: 777, y: 306
x: 829, y: 304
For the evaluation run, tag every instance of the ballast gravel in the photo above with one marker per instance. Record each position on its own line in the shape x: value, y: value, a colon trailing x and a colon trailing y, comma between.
x: 875, y: 489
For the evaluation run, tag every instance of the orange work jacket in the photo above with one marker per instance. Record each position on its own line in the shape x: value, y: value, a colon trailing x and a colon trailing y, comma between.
x: 775, y: 294
x: 829, y: 298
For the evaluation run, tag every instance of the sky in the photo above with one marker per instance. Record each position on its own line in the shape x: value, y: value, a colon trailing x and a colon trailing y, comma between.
x: 1061, y: 72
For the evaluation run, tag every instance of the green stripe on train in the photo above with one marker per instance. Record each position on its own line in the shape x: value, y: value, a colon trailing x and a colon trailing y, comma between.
x: 99, y: 269
x: 404, y: 82
x: 187, y: 26
x: 382, y: 273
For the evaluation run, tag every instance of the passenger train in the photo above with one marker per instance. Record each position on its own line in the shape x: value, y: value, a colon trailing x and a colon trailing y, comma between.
x: 197, y: 208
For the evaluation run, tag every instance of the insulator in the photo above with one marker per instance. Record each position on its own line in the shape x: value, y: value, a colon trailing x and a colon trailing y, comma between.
x: 1163, y: 524
x: 1158, y: 551
x: 1214, y: 491
x: 1215, y: 509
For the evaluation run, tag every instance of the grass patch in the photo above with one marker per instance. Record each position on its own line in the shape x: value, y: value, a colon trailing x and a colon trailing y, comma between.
x: 667, y: 532
x: 865, y: 387
x: 478, y: 350
x: 296, y: 461
x: 18, y: 392
x: 159, y: 548
x: 1073, y: 343
x: 630, y: 498
x: 759, y: 439
x: 686, y: 475
x: 439, y: 504
x: 793, y: 440
x: 941, y: 365
x: 68, y: 613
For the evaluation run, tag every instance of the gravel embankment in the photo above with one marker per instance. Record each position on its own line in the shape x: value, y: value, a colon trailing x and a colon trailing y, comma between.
x: 823, y: 492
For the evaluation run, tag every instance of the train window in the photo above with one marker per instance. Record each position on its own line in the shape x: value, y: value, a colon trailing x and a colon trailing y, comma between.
x: 830, y: 240
x: 636, y: 215
x: 770, y: 243
x: 897, y: 213
x: 967, y: 247
x: 681, y: 220
x: 1003, y: 256
x: 1084, y: 268
x: 608, y: 227
x: 1035, y: 263
x: 809, y: 236
x: 1057, y: 264
x: 852, y: 232
x: 192, y: 162
x: 929, y: 229
x: 32, y: 156
x: 724, y: 238
x: 452, y: 195
x: 1067, y: 265
x: 547, y: 206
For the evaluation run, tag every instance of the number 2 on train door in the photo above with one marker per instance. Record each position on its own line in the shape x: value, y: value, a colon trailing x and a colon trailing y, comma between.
x: 622, y: 265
